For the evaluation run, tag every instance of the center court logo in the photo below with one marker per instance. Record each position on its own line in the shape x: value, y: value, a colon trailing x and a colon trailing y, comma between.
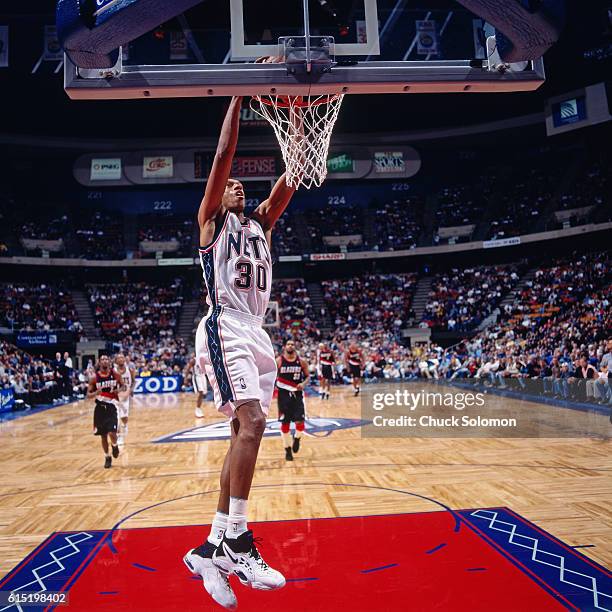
x: 316, y: 427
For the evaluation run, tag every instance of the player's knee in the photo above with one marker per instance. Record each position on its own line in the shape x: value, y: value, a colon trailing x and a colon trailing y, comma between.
x: 300, y: 425
x: 285, y: 427
x: 254, y: 429
x: 252, y: 422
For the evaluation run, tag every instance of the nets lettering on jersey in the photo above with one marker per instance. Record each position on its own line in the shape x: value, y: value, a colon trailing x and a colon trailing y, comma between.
x: 303, y: 126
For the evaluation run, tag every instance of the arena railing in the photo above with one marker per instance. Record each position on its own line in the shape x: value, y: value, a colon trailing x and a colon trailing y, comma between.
x: 444, y: 249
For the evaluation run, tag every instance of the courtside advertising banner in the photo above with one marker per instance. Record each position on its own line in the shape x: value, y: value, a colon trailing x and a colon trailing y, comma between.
x: 106, y: 169
x: 158, y: 384
x: 161, y: 166
x: 7, y: 399
x: 4, y: 46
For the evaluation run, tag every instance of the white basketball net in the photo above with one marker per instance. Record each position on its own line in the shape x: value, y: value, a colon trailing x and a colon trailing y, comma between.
x: 303, y: 126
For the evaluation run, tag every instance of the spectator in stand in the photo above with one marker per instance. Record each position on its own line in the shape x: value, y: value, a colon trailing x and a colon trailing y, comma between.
x: 462, y: 299
x: 136, y: 312
x: 38, y: 307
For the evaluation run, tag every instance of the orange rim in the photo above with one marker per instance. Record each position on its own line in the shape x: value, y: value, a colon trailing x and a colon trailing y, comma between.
x: 283, y: 103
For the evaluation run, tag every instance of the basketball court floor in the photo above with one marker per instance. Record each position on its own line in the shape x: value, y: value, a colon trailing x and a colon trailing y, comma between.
x: 384, y: 524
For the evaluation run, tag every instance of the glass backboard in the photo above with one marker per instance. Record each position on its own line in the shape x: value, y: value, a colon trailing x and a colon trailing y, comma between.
x: 377, y: 46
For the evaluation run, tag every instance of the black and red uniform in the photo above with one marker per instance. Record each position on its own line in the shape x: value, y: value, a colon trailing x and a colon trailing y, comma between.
x: 355, y: 361
x: 105, y: 412
x: 327, y: 361
x: 290, y: 398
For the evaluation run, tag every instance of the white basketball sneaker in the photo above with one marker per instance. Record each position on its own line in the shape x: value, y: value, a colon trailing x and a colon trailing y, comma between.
x: 240, y: 557
x: 199, y: 413
x: 199, y: 561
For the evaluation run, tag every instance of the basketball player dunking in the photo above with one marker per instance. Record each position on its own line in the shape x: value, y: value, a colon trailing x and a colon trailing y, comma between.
x: 354, y: 362
x: 238, y: 359
x: 128, y: 376
x: 105, y: 385
x: 292, y: 376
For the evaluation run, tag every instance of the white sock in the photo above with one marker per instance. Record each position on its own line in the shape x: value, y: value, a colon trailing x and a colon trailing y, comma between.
x: 237, y: 518
x: 298, y: 433
x: 217, y: 529
x: 286, y: 439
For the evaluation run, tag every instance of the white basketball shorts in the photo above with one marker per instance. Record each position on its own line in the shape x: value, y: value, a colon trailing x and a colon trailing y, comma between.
x: 199, y: 384
x: 123, y: 408
x: 238, y: 358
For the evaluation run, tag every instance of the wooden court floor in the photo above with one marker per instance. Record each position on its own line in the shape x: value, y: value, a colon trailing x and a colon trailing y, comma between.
x: 53, y: 480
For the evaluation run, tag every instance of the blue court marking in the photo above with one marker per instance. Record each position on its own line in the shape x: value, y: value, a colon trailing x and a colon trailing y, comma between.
x: 378, y: 569
x: 569, y: 576
x: 28, y: 557
x: 144, y: 567
x: 571, y: 596
x: 561, y: 543
x: 438, y: 547
x: 75, y: 576
x: 112, y: 547
x: 54, y: 564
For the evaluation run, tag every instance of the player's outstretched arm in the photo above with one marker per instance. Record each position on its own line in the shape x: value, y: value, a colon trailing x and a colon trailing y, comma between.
x: 270, y: 210
x: 222, y: 164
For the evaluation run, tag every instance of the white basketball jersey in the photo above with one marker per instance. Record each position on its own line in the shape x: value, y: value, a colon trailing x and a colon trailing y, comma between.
x: 126, y: 376
x: 237, y: 266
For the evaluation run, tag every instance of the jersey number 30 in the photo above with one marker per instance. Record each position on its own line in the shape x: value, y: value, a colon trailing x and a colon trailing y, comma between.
x: 245, y: 278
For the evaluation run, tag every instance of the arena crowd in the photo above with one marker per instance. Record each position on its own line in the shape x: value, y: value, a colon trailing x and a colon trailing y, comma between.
x: 551, y: 336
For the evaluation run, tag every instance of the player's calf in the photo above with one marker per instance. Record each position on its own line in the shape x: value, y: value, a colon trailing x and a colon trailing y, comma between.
x: 299, y: 430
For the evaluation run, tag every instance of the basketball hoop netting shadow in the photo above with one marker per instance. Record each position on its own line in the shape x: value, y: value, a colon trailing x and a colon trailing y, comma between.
x: 303, y: 126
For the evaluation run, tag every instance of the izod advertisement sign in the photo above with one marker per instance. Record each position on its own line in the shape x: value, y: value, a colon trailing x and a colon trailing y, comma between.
x: 161, y: 166
x: 254, y: 166
x: 388, y: 162
x: 340, y: 163
x: 106, y: 169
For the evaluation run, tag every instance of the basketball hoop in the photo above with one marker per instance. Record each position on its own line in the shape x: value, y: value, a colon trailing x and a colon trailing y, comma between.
x: 303, y: 126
